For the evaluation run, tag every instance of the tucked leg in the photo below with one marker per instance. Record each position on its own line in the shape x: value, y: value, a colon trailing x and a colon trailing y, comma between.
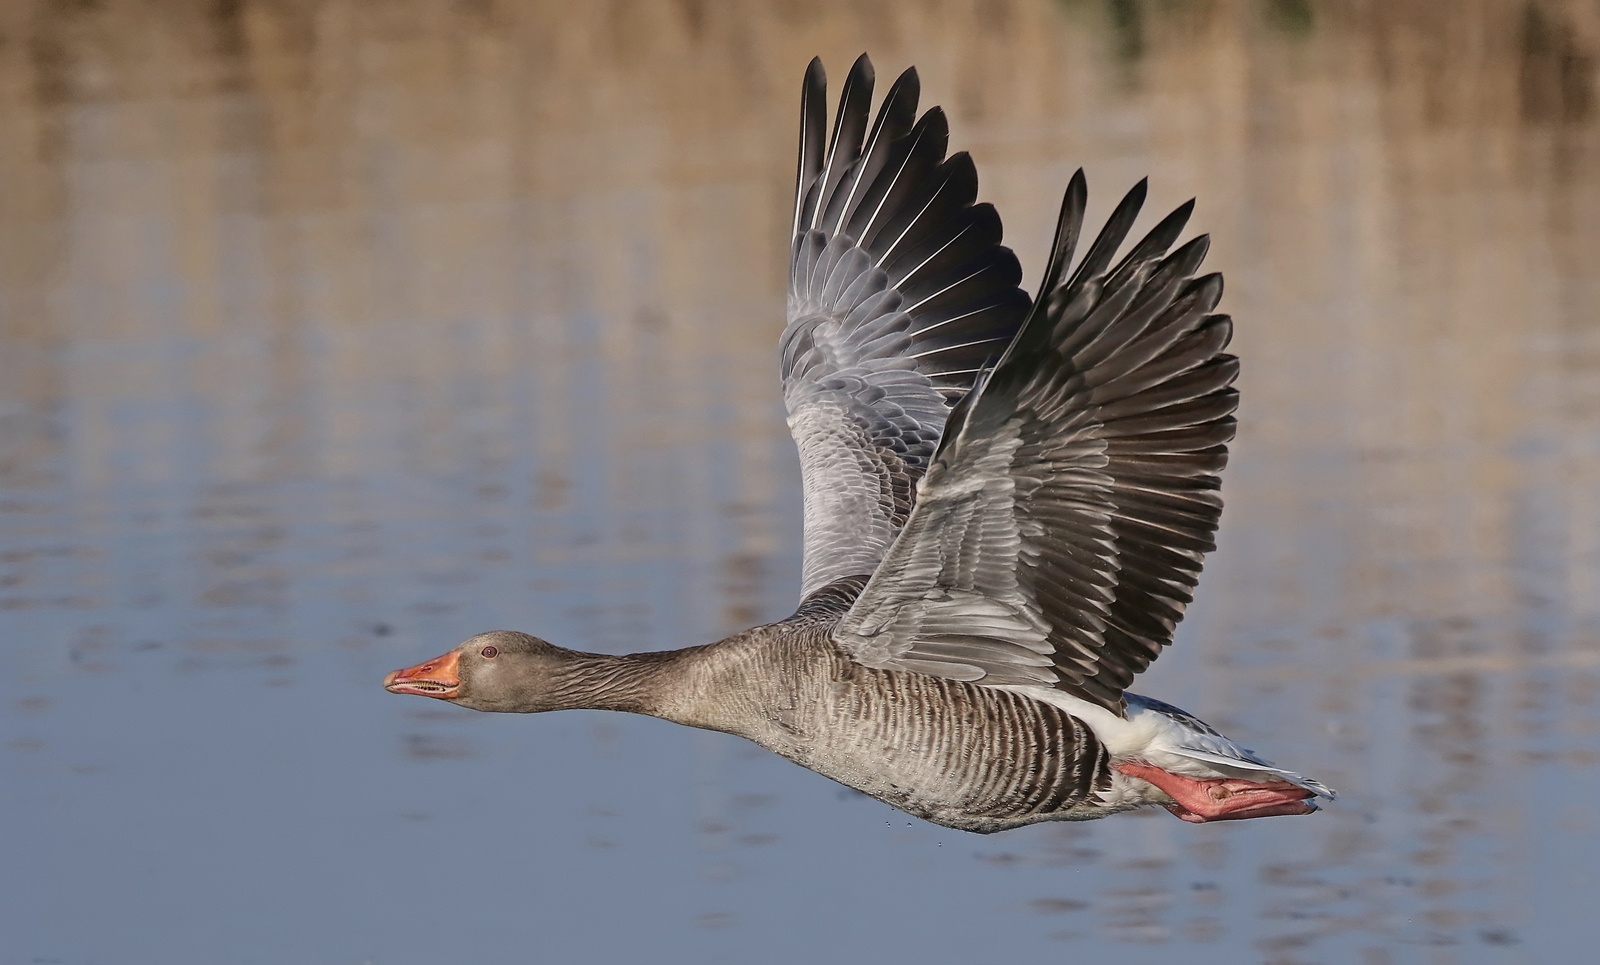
x: 1222, y: 799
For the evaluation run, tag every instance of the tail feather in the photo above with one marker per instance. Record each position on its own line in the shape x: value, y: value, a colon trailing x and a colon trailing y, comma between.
x: 1186, y: 736
x: 1252, y: 763
x: 1166, y: 737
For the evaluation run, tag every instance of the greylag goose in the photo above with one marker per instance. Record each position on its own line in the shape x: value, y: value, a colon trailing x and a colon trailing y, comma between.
x: 1007, y: 504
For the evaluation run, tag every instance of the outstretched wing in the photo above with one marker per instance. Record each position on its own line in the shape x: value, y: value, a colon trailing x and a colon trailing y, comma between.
x: 899, y: 293
x: 1060, y: 530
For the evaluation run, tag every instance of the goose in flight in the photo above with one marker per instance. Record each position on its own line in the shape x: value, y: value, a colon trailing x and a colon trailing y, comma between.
x: 1007, y: 505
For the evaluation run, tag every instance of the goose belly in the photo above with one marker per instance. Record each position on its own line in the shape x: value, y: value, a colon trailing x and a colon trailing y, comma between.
x: 966, y: 757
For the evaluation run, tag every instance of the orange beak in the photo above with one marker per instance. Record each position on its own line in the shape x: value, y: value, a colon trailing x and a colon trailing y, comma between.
x: 439, y: 677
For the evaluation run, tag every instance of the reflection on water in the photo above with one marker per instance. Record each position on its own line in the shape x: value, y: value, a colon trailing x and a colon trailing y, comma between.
x: 334, y: 332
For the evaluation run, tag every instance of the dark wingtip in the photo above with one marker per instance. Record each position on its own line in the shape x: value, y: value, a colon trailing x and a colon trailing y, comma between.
x: 815, y: 83
x: 1112, y: 234
x: 1178, y: 219
x: 908, y: 85
x: 863, y: 68
x: 813, y: 135
x: 1068, y: 224
x: 1187, y: 208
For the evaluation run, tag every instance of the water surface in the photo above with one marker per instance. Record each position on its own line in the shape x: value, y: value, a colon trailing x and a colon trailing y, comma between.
x: 332, y: 333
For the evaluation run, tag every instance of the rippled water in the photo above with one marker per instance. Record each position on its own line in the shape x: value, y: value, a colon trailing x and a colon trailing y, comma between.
x: 331, y: 333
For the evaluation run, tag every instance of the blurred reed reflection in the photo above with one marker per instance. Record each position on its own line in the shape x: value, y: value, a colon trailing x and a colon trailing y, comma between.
x: 331, y: 332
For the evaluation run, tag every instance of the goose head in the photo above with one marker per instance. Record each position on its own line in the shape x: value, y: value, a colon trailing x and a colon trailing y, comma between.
x: 501, y: 671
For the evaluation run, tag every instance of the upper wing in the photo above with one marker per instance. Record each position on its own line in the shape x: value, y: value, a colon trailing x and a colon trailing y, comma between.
x: 1060, y: 529
x: 899, y: 292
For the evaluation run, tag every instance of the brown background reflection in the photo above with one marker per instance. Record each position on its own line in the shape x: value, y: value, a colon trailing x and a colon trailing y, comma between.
x: 333, y: 331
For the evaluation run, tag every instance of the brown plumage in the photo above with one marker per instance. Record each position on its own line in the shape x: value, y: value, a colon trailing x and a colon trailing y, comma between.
x: 1007, y: 506
x: 953, y: 753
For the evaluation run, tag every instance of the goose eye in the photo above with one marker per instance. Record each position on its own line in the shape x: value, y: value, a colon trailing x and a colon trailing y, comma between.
x: 489, y: 651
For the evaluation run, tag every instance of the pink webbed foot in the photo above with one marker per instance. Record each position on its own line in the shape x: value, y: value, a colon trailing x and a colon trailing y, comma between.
x: 1222, y: 799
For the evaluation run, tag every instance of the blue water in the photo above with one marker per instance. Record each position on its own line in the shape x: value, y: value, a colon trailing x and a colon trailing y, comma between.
x: 327, y: 340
